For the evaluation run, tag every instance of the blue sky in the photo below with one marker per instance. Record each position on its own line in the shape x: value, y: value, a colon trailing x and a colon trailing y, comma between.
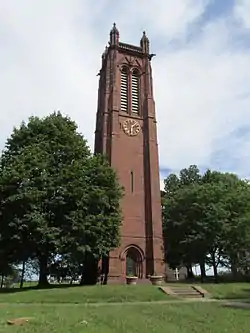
x: 50, y: 55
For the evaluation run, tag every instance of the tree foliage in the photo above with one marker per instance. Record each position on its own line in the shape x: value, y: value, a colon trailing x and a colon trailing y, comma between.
x: 206, y: 219
x: 56, y: 198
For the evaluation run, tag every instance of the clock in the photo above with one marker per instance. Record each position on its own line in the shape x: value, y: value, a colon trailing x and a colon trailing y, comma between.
x: 131, y: 127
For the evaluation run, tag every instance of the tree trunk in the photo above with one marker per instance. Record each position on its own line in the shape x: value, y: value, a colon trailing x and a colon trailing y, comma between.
x: 82, y: 276
x: 203, y: 271
x: 234, y: 267
x: 190, y: 274
x: 214, y: 264
x: 105, y: 270
x: 43, y: 272
x: 234, y: 271
x: 22, y: 274
x: 90, y: 271
x: 2, y: 280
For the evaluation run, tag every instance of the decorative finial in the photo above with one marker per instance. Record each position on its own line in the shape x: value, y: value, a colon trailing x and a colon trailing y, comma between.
x: 144, y: 42
x: 144, y: 36
x: 114, y: 30
x: 114, y: 35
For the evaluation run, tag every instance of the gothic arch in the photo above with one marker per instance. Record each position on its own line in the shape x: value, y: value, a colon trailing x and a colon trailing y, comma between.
x: 123, y: 62
x: 133, y: 257
x: 124, y: 68
x: 123, y: 253
x: 129, y: 62
x: 136, y: 71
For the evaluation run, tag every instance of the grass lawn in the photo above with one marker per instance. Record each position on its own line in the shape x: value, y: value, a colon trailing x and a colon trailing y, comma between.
x: 123, y: 318
x: 91, y: 309
x: 85, y: 294
x: 228, y: 290
x: 115, y: 293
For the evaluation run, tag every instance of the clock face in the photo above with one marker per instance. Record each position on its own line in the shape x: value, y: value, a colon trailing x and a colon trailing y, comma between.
x: 131, y: 127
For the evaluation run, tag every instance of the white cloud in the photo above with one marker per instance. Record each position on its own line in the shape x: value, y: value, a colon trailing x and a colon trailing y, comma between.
x: 201, y: 94
x: 242, y: 12
x: 45, y: 63
x: 167, y: 18
x: 50, y: 55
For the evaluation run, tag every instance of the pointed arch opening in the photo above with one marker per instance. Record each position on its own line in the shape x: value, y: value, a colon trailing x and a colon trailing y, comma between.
x: 135, y: 86
x: 134, y: 262
x: 124, y: 89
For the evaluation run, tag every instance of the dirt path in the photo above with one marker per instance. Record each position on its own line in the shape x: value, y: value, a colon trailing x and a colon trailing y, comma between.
x: 172, y: 301
x: 225, y: 302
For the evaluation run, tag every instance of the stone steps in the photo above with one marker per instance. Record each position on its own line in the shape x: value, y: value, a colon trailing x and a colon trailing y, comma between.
x: 188, y: 294
x: 183, y: 291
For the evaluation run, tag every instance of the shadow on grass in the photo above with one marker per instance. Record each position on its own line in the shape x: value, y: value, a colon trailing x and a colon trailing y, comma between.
x: 244, y: 294
x: 49, y: 286
x: 237, y: 305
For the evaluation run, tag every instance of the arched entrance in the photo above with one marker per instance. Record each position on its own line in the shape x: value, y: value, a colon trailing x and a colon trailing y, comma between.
x: 134, y: 262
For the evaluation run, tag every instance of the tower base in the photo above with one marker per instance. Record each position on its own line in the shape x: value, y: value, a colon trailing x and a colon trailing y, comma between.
x: 115, y: 269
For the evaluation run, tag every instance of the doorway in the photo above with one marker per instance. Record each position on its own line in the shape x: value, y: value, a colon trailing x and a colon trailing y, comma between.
x: 133, y: 263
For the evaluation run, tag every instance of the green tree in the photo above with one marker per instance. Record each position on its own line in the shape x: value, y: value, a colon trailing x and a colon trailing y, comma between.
x: 207, y: 221
x: 49, y: 194
x: 237, y: 243
x: 190, y: 175
x: 100, y: 232
x: 236, y: 204
x: 174, y: 190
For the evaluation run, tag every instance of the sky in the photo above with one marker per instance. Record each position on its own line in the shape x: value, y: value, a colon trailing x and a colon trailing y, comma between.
x: 50, y: 54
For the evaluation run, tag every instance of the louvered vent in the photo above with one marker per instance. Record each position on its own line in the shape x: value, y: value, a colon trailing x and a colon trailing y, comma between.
x: 135, y: 92
x: 124, y: 90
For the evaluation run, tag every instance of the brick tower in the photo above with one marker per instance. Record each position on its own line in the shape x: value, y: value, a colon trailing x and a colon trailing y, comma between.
x: 126, y: 133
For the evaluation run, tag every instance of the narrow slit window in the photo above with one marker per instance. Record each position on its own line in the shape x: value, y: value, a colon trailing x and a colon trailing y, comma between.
x: 132, y: 181
x: 135, y: 91
x: 124, y: 89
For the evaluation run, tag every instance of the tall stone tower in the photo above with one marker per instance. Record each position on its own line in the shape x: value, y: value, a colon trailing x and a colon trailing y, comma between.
x: 126, y: 133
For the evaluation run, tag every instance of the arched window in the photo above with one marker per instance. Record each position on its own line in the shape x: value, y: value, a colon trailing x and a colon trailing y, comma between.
x: 133, y: 262
x: 124, y: 89
x: 135, y: 91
